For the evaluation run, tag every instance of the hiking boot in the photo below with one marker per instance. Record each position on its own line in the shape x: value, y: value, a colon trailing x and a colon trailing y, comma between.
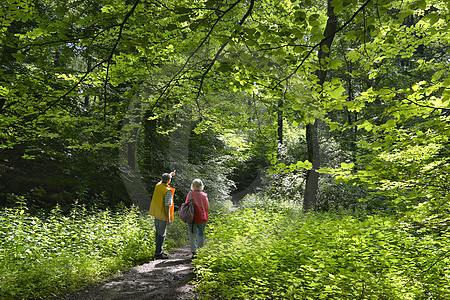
x: 162, y: 256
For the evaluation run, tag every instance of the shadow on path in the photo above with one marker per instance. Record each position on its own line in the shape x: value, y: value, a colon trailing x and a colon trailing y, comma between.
x: 160, y: 279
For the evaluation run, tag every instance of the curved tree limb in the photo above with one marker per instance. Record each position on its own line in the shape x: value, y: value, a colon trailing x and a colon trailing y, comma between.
x: 241, y: 22
x: 322, y: 42
x: 86, y: 74
x: 168, y: 85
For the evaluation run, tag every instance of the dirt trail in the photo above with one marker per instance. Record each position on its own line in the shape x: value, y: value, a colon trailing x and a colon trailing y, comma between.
x: 166, y: 279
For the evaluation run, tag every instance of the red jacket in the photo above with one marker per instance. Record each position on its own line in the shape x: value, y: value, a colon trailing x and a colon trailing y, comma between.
x: 201, y: 206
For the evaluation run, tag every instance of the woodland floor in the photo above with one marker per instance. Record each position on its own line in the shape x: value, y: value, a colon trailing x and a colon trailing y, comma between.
x: 167, y: 279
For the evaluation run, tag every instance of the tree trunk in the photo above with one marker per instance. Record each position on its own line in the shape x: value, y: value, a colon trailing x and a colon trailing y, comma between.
x: 312, y: 138
x: 312, y: 177
x: 131, y: 155
x: 89, y: 66
x: 280, y: 121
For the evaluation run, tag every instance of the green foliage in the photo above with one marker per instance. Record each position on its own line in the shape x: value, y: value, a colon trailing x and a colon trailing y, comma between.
x: 340, y: 197
x: 281, y: 186
x: 285, y: 178
x: 70, y: 71
x: 193, y: 154
x: 42, y: 256
x: 268, y: 250
x: 62, y: 176
x: 393, y: 124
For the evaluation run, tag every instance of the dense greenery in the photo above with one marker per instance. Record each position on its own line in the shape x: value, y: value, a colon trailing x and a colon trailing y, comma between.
x: 89, y: 80
x: 270, y: 250
x: 55, y: 253
x: 345, y: 104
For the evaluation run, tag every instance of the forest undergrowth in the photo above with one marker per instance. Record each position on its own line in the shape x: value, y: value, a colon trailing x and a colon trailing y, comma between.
x: 264, y: 250
x: 270, y: 250
x: 43, y: 256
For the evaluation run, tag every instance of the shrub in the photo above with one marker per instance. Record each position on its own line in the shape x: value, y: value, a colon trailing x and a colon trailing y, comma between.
x: 335, y: 196
x: 279, y: 253
x: 50, y: 254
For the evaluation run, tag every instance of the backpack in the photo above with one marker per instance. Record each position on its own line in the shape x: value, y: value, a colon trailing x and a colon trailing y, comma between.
x: 186, y: 212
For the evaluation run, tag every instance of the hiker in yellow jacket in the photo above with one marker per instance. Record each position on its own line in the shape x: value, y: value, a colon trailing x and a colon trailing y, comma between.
x: 162, y: 208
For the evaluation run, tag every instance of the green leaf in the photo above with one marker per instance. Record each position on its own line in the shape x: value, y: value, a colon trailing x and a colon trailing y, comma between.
x: 337, y: 92
x: 325, y: 48
x: 335, y: 64
x: 297, y: 106
x: 313, y: 17
x: 422, y: 4
x: 433, y: 18
x: 446, y: 95
x: 347, y: 166
x: 366, y: 125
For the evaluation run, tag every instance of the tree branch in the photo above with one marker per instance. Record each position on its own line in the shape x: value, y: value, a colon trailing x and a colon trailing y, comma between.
x: 323, y: 42
x: 282, y: 46
x: 442, y: 256
x: 107, y: 60
x: 241, y: 22
x: 427, y: 106
x: 168, y: 85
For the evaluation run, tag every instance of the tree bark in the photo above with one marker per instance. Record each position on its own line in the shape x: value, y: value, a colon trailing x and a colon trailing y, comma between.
x: 312, y: 138
x: 280, y: 121
x: 312, y: 176
x: 89, y: 67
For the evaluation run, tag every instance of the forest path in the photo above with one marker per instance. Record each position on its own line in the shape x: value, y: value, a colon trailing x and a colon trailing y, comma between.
x: 167, y: 279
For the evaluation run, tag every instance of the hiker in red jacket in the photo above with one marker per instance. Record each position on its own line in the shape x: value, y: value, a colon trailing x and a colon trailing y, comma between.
x: 201, y: 206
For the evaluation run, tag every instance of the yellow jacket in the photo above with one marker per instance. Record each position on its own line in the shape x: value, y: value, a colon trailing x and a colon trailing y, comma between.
x: 157, y: 208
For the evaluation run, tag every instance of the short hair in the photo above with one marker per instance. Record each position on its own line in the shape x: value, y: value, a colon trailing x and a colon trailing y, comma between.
x: 197, y: 185
x: 166, y: 177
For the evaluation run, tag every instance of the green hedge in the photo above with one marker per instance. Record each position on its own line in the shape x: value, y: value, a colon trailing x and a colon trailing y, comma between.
x: 56, y: 253
x: 269, y: 250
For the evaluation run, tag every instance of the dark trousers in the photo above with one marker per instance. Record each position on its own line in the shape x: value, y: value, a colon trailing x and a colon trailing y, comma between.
x: 160, y: 235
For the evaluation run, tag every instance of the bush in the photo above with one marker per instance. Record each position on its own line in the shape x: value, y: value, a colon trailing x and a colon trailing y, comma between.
x: 53, y: 253
x: 337, y: 197
x: 281, y: 186
x: 279, y: 253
